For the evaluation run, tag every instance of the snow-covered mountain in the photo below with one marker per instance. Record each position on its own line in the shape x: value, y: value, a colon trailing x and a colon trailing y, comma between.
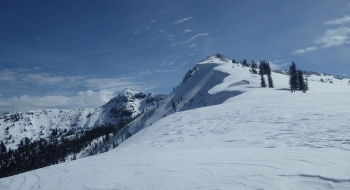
x: 220, y: 130
x: 42, y: 123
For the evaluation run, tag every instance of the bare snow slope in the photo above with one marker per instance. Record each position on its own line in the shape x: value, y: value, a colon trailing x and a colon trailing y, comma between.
x: 261, y: 139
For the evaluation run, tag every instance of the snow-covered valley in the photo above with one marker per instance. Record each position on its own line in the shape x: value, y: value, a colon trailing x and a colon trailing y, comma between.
x: 227, y: 133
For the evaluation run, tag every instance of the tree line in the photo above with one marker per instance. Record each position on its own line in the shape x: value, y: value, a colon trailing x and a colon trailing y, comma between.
x: 31, y: 155
x: 297, y: 81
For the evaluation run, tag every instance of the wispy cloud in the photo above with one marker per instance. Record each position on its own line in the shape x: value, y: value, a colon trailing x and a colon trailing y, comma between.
x: 136, y: 32
x: 183, y: 20
x: 16, y: 77
x: 152, y: 21
x: 161, y: 31
x: 305, y: 50
x: 187, y: 31
x: 145, y: 73
x: 334, y: 37
x: 170, y: 63
x: 191, y: 39
x: 344, y: 20
x: 331, y: 38
x: 166, y: 71
x: 193, y: 45
x: 42, y: 42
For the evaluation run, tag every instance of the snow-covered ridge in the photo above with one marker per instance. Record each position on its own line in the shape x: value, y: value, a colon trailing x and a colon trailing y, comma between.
x: 15, y: 126
x: 226, y: 133
x: 215, y: 80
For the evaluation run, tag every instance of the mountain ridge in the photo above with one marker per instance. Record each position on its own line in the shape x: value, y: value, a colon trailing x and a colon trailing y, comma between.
x: 36, y: 124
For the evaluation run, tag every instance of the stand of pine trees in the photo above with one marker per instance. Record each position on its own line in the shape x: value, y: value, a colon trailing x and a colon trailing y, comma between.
x: 31, y: 155
x: 264, y: 69
x: 296, y: 79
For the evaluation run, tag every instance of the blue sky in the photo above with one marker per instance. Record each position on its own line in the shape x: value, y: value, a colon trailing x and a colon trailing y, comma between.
x: 72, y: 54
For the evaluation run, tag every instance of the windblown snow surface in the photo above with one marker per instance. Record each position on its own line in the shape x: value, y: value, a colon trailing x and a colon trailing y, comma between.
x: 245, y: 137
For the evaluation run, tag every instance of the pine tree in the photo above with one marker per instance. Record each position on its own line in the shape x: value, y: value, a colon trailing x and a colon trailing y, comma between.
x: 254, y: 67
x: 268, y: 72
x: 244, y: 63
x: 262, y: 72
x: 270, y: 81
x: 302, y: 84
x: 3, y: 148
x: 293, y: 77
x: 263, y: 82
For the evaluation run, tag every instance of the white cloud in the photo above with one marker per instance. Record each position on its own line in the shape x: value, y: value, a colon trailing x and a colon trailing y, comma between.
x: 331, y: 38
x: 301, y: 51
x: 171, y: 63
x: 334, y: 37
x: 161, y: 31
x: 278, y: 64
x: 193, y: 45
x: 188, y: 41
x: 344, y: 20
x: 184, y: 63
x: 8, y: 76
x: 83, y: 99
x: 187, y: 31
x: 136, y: 32
x: 100, y: 90
x: 182, y: 20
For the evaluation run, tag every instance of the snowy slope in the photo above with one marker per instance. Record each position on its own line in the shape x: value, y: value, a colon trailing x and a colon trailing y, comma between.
x: 249, y: 138
x: 15, y: 126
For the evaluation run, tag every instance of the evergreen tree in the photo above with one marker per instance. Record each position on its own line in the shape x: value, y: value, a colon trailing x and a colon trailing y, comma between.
x: 269, y: 77
x: 3, y: 148
x: 263, y: 82
x: 270, y: 81
x: 262, y: 72
x: 244, y: 63
x: 301, y: 82
x: 293, y: 77
x: 254, y: 67
x: 173, y: 105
